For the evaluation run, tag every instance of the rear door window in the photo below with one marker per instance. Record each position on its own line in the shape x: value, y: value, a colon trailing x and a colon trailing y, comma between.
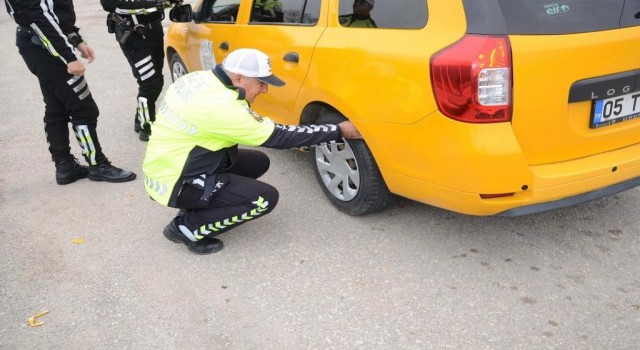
x: 285, y: 11
x: 411, y: 14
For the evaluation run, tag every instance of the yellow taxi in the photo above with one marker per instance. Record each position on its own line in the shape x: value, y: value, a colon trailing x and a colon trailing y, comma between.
x: 482, y: 107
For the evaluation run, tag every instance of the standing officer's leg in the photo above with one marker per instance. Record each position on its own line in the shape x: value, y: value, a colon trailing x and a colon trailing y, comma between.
x: 146, y: 57
x: 56, y: 127
x: 56, y: 117
x: 72, y: 92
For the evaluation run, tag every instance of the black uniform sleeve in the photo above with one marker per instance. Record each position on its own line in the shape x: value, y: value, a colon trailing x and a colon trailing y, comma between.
x: 293, y: 136
x: 51, y: 27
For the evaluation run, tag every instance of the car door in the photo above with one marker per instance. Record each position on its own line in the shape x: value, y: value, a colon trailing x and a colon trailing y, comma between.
x: 287, y: 33
x: 212, y: 33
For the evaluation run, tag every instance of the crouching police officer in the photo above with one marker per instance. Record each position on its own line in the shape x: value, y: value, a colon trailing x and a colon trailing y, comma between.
x: 193, y: 161
x: 137, y: 25
x: 46, y: 38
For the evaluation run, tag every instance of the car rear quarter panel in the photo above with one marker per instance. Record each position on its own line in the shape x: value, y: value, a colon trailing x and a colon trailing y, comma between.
x: 548, y: 127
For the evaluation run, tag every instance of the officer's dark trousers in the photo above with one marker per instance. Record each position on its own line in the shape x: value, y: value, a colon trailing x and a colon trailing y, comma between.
x: 242, y: 199
x: 146, y: 57
x: 67, y: 99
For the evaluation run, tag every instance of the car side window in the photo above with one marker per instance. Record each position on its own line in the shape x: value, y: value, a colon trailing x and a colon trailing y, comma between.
x: 285, y: 11
x: 411, y: 14
x: 216, y: 11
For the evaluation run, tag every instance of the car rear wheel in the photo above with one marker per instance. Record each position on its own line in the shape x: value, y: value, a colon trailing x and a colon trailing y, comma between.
x: 349, y: 175
x: 178, y: 68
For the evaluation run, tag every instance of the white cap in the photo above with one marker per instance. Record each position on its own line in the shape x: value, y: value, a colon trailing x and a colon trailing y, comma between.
x: 371, y: 2
x: 251, y: 63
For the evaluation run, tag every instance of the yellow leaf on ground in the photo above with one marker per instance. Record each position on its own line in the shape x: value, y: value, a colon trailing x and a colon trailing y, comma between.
x: 77, y: 240
x: 33, y: 322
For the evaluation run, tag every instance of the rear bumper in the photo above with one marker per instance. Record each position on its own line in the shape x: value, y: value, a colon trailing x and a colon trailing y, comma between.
x: 533, y: 200
x: 458, y: 186
x: 481, y: 170
x: 569, y: 201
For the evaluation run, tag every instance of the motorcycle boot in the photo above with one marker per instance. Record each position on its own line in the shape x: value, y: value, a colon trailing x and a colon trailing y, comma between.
x: 144, y: 133
x: 105, y: 171
x: 136, y: 124
x: 207, y: 245
x: 69, y: 170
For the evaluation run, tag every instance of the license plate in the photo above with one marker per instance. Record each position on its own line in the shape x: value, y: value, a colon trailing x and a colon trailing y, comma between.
x: 616, y: 109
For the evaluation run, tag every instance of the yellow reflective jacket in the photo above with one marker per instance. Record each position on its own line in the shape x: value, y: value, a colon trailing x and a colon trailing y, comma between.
x: 199, y: 121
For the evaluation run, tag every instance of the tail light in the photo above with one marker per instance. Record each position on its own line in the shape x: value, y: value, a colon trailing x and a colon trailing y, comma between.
x: 472, y: 79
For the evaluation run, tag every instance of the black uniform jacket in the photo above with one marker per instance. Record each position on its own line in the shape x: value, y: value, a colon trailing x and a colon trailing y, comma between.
x: 50, y: 20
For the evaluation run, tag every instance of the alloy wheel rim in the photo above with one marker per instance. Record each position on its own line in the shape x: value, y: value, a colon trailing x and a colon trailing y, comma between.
x: 338, y: 169
x: 178, y: 71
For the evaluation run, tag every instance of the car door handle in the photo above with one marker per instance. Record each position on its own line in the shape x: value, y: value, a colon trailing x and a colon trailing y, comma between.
x: 224, y: 45
x: 291, y: 57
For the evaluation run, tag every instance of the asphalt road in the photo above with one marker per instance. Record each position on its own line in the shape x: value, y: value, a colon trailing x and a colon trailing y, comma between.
x: 305, y: 276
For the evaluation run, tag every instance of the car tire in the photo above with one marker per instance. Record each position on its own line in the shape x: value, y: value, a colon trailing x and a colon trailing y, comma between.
x: 348, y: 174
x: 178, y: 68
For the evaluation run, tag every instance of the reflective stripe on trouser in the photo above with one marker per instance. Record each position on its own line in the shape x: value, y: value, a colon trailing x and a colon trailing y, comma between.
x: 79, y: 85
x: 262, y: 206
x: 88, y: 141
x: 143, y: 111
x: 145, y: 69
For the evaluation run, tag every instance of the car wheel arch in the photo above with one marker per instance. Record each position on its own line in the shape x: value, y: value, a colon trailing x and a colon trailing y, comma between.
x: 363, y: 191
x: 173, y: 58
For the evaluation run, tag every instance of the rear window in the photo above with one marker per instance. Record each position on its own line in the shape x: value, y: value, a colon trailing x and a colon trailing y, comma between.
x: 550, y: 17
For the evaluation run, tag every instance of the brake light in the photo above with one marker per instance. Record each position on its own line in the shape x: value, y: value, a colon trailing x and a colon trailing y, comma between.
x: 471, y: 79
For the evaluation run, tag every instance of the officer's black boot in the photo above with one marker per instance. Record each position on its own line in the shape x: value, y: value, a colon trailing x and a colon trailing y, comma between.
x: 100, y: 168
x: 145, y: 132
x: 136, y: 124
x: 69, y: 170
x: 207, y: 245
x: 104, y: 171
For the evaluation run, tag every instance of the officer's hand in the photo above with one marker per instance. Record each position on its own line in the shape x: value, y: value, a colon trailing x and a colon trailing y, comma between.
x: 86, y: 52
x: 349, y: 131
x: 76, y: 67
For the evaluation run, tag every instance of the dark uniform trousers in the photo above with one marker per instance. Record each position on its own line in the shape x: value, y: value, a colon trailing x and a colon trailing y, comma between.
x: 240, y: 199
x: 67, y: 99
x: 145, y: 55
